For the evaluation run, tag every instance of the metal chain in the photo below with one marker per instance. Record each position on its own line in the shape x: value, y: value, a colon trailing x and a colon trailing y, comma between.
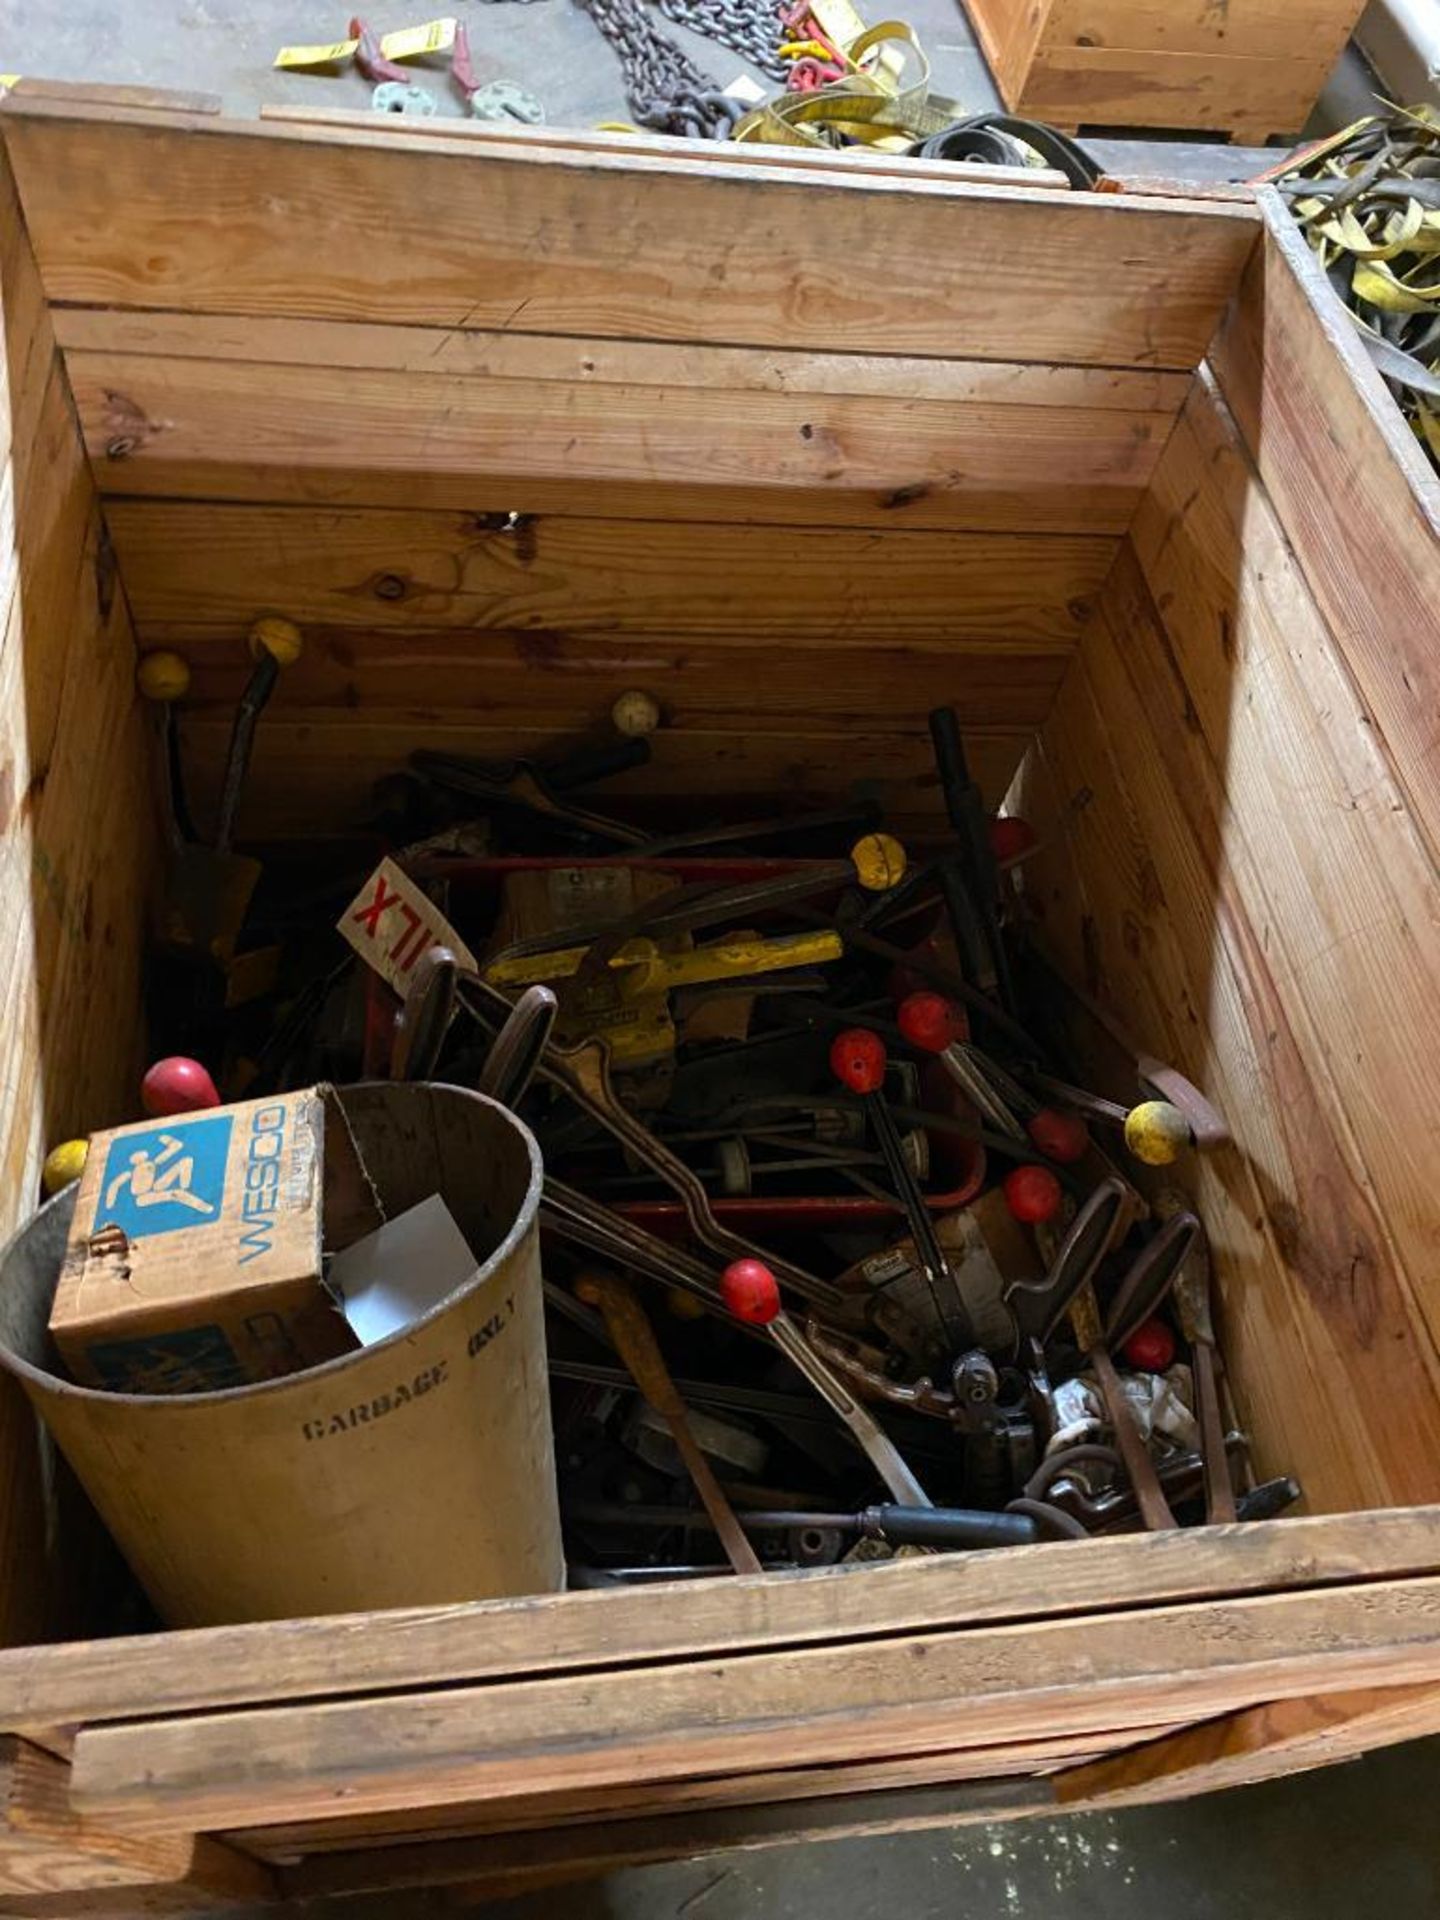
x: 750, y: 28
x: 667, y: 91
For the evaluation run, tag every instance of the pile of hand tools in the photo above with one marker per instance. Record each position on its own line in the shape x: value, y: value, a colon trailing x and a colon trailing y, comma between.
x: 842, y: 1258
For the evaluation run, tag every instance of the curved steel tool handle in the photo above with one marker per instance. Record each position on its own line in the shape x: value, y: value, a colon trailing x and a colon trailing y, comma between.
x: 511, y: 1063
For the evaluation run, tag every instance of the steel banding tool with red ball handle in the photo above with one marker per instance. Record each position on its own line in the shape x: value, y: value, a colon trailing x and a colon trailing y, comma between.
x: 752, y: 1294
x: 936, y: 1025
x: 858, y: 1061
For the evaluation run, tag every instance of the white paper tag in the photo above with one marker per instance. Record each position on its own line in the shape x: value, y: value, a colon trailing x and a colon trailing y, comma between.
x: 390, y: 923
x: 398, y: 1273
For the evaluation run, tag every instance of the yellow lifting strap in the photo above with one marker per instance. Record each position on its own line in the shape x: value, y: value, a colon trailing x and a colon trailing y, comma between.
x: 869, y: 105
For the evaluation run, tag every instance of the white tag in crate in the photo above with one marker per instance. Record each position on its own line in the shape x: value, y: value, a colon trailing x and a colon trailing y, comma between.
x: 390, y: 923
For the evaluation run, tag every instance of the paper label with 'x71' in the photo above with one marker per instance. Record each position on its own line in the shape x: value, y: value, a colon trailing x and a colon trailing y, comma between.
x: 390, y: 923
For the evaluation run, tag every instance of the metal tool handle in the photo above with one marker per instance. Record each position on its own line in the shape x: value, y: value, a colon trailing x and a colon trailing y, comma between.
x: 1140, y: 1468
x: 589, y: 764
x: 1150, y: 1276
x: 947, y: 1527
x: 258, y: 689
x: 511, y: 1062
x: 959, y: 1063
x: 884, y: 1456
x: 635, y: 1342
x: 1220, y: 1506
x: 425, y: 1017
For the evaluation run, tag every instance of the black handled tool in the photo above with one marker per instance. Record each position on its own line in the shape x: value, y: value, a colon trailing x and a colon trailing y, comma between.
x: 966, y: 807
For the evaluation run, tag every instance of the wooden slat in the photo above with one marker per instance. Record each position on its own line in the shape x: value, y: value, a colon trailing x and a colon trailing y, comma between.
x: 313, y: 770
x: 432, y: 1647
x: 1332, y: 886
x: 816, y: 1705
x: 1243, y: 29
x: 205, y: 569
x: 77, y: 850
x: 1283, y: 1736
x: 499, y: 355
x: 506, y: 1864
x: 1356, y: 497
x: 552, y: 682
x: 85, y: 93
x: 315, y: 1840
x: 660, y: 146
x: 247, y: 430
x: 47, y: 1848
x: 595, y: 244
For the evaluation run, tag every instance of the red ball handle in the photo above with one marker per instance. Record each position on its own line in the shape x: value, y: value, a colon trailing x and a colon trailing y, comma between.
x: 177, y: 1085
x: 1033, y: 1194
x: 751, y: 1292
x: 931, y: 1022
x: 857, y: 1059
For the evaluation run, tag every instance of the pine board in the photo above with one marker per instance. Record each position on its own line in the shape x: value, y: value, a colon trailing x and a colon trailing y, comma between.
x: 602, y: 244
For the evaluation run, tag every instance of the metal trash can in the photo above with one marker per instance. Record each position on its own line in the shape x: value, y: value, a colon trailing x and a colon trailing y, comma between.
x: 416, y: 1471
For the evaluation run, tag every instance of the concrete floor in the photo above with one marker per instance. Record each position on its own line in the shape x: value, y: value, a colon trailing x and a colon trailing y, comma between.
x: 1323, y: 1846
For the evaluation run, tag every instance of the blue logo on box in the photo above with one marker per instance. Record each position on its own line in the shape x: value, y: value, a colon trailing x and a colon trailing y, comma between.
x: 169, y: 1177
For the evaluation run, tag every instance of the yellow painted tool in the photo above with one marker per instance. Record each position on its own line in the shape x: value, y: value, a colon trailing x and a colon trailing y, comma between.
x: 652, y: 968
x: 628, y: 1006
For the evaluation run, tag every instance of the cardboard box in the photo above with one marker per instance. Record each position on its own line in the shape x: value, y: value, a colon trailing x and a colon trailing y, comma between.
x: 194, y: 1260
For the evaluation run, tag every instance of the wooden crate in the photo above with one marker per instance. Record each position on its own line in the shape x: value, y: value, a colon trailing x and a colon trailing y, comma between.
x: 1174, y: 549
x: 1249, y: 68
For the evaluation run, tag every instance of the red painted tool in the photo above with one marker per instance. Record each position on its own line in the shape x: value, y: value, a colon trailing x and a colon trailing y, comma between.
x: 177, y: 1085
x: 1062, y: 1137
x: 858, y: 1061
x: 1150, y: 1348
x: 1033, y: 1194
x: 936, y: 1025
x: 1011, y: 838
x: 752, y: 1294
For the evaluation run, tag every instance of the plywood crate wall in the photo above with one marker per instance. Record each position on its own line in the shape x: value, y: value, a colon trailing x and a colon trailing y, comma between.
x: 623, y: 414
x: 1252, y: 69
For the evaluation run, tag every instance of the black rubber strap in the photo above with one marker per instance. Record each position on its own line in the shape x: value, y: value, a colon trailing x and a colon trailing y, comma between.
x: 991, y: 136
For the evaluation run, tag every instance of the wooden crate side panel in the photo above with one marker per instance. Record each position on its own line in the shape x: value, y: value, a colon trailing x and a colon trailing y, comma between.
x: 366, y: 437
x: 498, y: 1865
x: 1259, y: 1743
x: 77, y: 836
x: 333, y: 1850
x: 811, y: 1706
x: 315, y: 773
x: 1358, y: 501
x: 217, y: 1667
x: 1009, y: 32
x: 1342, y: 892
x: 555, y: 242
x: 1134, y: 915
x: 1241, y: 29
x: 202, y: 569
x: 1251, y: 97
x: 418, y: 621
x: 1247, y: 879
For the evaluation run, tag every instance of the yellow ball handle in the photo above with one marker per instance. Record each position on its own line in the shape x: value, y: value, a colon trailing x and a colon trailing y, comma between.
x: 281, y: 639
x: 162, y: 676
x: 879, y: 862
x: 64, y: 1164
x: 1157, y: 1133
